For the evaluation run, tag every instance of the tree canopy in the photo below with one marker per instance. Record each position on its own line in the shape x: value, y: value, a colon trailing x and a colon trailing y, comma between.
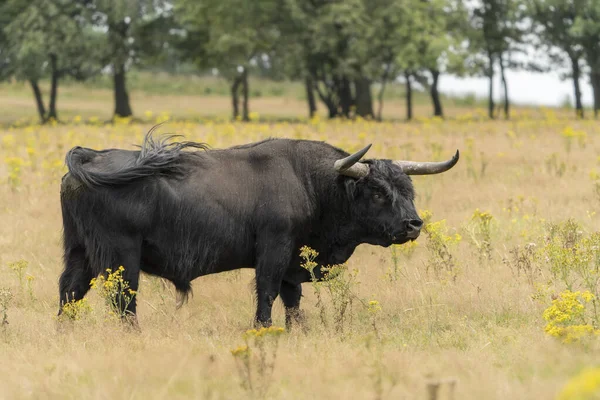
x: 345, y: 52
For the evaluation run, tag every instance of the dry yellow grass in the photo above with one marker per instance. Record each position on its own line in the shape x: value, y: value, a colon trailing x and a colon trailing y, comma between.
x: 484, y: 329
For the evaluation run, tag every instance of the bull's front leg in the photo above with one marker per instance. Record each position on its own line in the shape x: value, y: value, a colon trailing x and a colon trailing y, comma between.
x: 274, y: 254
x: 290, y: 295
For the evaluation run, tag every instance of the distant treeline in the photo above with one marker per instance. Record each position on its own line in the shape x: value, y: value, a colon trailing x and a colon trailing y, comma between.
x: 343, y: 51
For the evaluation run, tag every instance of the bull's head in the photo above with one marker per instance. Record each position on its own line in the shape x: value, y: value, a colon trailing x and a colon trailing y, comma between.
x: 384, y: 195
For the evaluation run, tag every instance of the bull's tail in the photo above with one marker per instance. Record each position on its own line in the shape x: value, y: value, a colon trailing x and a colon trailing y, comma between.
x: 184, y: 289
x: 155, y: 158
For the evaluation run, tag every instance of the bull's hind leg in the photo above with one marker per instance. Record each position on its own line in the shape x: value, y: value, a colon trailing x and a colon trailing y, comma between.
x: 74, y: 282
x: 274, y: 254
x: 290, y: 295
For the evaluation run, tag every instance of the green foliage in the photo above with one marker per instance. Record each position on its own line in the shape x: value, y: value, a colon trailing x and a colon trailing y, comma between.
x: 586, y: 30
x: 569, y: 319
x: 115, y: 291
x: 40, y: 29
x: 235, y: 31
x: 341, y: 48
x: 566, y: 251
x: 480, y: 232
x: 5, y: 299
x: 574, y: 261
x: 338, y: 283
x: 19, y: 267
x: 75, y: 310
x: 406, y: 249
x: 256, y: 360
x: 571, y: 27
x: 556, y: 20
x: 124, y: 23
x: 439, y: 244
x: 495, y: 30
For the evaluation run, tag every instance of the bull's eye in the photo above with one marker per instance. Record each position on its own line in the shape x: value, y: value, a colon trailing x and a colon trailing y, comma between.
x: 378, y: 197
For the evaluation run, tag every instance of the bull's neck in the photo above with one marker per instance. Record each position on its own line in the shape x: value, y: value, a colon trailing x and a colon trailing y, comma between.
x: 339, y: 232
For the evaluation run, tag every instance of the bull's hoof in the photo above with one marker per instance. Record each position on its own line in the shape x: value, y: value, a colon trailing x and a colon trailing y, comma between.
x: 262, y: 324
x: 296, y: 319
x: 130, y: 323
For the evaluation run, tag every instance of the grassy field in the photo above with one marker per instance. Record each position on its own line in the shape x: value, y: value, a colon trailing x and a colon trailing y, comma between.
x: 464, y: 307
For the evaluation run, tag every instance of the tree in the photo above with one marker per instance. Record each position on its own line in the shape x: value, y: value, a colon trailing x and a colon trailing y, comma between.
x: 442, y: 27
x: 387, y: 39
x: 7, y: 14
x: 431, y: 44
x: 238, y: 32
x: 586, y: 30
x: 124, y: 22
x: 413, y: 39
x: 332, y: 50
x: 46, y: 37
x: 554, y: 23
x: 497, y: 31
x: 416, y: 55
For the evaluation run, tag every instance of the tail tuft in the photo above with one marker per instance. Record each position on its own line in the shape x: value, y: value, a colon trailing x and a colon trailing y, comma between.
x: 184, y: 289
x: 155, y: 158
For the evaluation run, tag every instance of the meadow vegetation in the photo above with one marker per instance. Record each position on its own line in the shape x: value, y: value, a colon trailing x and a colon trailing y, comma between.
x: 498, y: 298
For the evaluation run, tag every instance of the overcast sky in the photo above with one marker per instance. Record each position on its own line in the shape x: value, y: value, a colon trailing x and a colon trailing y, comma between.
x: 523, y: 87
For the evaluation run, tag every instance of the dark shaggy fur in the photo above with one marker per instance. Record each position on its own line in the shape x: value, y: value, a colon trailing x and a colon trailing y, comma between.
x: 183, y: 214
x: 155, y: 158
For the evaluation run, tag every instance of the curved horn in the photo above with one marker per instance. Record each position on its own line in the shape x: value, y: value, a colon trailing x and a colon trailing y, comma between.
x: 427, y: 168
x: 350, y: 166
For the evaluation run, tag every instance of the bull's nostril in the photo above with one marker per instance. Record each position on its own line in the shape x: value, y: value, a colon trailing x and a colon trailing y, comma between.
x: 415, y: 224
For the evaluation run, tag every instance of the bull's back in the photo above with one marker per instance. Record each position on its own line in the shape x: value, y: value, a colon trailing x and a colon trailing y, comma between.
x: 251, y: 184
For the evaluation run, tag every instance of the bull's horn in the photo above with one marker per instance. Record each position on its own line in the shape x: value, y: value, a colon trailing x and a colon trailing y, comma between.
x: 350, y: 166
x: 427, y: 168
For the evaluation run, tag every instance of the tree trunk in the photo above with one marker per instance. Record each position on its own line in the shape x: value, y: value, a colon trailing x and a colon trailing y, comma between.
x: 409, y: 110
x: 384, y: 80
x: 576, y: 76
x: 505, y: 87
x: 310, y: 97
x: 326, y: 97
x: 491, y: 87
x: 122, y: 107
x: 595, y: 79
x: 345, y: 96
x: 245, y: 112
x: 435, y: 94
x: 38, y: 100
x: 332, y: 110
x: 235, y: 99
x: 52, y: 113
x: 364, y: 100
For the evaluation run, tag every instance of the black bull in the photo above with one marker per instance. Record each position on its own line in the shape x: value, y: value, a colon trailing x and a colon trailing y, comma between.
x: 184, y: 214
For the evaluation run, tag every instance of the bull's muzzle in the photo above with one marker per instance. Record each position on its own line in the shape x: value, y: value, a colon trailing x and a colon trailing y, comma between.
x: 413, y: 228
